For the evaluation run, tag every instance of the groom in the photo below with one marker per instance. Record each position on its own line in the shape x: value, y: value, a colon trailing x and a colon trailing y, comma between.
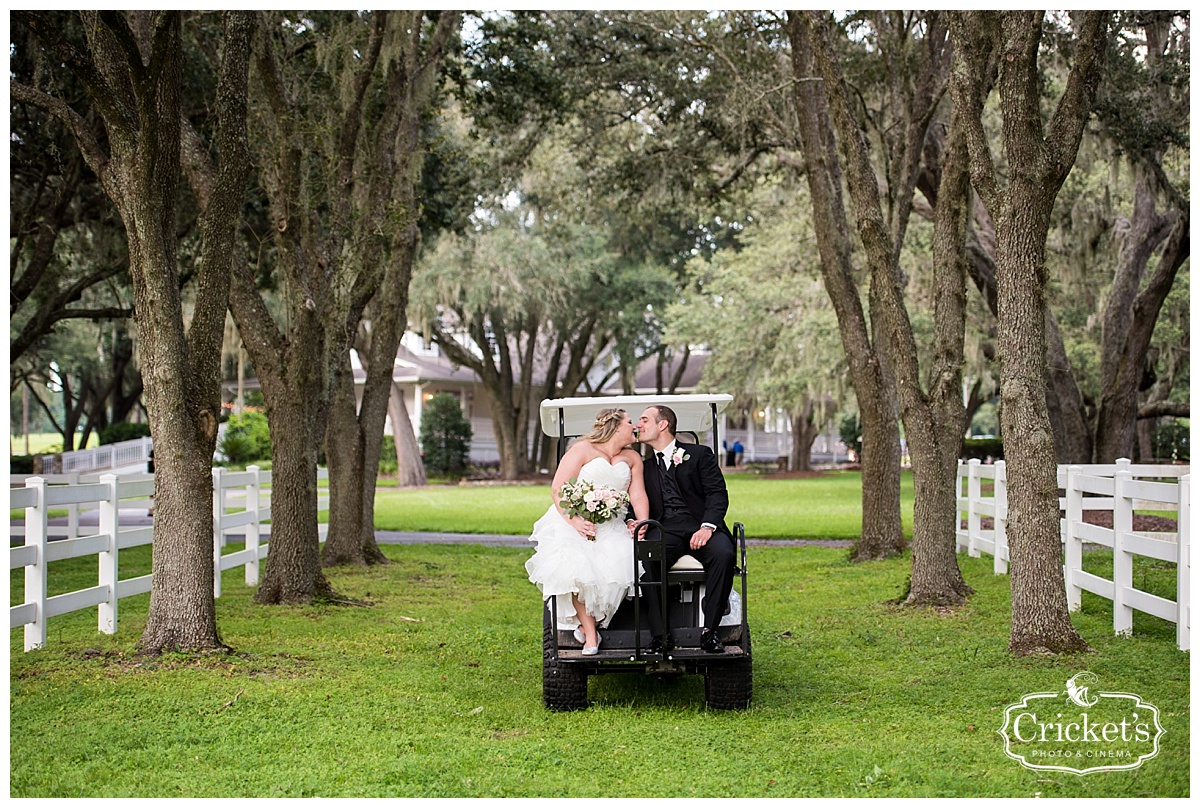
x: 688, y: 497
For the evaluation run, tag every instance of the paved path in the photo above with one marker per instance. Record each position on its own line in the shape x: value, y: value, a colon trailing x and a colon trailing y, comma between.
x: 135, y: 517
x: 400, y: 537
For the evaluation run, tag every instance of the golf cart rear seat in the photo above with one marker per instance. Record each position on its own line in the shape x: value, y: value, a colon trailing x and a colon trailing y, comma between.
x: 687, y: 568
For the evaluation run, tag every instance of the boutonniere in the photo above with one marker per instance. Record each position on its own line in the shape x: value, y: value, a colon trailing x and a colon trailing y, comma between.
x: 678, y: 456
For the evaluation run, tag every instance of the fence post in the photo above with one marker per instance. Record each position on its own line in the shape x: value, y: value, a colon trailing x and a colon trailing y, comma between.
x: 1122, y: 560
x: 73, y: 509
x: 109, y: 527
x: 252, y: 529
x: 1000, y: 523
x: 1074, y: 545
x: 960, y: 474
x: 1183, y: 571
x: 35, y: 574
x: 218, y: 528
x: 973, y: 494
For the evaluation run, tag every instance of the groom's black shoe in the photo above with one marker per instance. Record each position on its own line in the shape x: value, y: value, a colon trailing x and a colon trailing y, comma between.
x: 709, y: 642
x: 658, y: 647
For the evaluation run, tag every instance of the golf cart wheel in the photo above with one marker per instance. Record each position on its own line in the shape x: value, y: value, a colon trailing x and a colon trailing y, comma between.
x: 729, y: 685
x: 564, y: 685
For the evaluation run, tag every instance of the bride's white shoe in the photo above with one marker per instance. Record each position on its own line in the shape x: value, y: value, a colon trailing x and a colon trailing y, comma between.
x: 579, y: 638
x: 592, y: 650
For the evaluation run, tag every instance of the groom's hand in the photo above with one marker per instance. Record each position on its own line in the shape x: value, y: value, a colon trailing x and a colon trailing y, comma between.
x: 701, y: 537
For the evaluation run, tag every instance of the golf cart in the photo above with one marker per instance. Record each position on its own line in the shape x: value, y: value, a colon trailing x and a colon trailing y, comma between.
x: 728, y: 676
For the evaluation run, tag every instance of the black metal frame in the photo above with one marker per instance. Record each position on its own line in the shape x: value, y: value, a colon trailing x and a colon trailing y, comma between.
x: 653, y: 551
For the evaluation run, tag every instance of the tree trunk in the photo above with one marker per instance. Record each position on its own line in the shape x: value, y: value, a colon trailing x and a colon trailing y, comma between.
x: 328, y: 239
x: 804, y: 432
x: 139, y: 101
x: 1066, y: 409
x: 410, y: 470
x: 1130, y: 315
x: 345, y: 458
x: 1068, y: 412
x: 1040, y: 620
x: 933, y: 421
x: 509, y: 399
x: 881, y: 531
x: 292, y: 571
x: 506, y: 441
x: 389, y: 318
x: 1038, y: 164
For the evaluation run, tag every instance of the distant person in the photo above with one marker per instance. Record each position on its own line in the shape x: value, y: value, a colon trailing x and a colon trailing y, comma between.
x: 739, y: 452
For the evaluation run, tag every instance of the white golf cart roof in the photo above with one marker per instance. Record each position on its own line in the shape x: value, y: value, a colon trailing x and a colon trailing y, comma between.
x: 576, y: 415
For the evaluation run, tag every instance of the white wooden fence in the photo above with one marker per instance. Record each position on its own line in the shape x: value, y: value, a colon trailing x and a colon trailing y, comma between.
x: 241, y: 506
x: 110, y: 456
x: 1120, y: 488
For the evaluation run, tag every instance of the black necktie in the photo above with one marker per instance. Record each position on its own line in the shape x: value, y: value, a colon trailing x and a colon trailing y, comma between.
x: 662, y: 464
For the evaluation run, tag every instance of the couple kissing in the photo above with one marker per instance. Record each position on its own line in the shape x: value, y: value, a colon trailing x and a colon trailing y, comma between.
x: 587, y: 564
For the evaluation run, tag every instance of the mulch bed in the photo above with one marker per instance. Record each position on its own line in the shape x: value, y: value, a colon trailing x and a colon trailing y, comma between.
x: 1141, y: 522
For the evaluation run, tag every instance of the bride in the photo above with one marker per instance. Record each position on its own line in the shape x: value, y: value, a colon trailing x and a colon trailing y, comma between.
x: 589, y: 567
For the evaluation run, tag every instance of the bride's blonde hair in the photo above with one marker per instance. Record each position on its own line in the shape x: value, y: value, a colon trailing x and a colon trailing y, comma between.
x: 608, y: 421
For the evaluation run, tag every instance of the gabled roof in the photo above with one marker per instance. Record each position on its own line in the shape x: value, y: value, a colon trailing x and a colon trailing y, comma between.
x: 645, y: 381
x: 422, y: 368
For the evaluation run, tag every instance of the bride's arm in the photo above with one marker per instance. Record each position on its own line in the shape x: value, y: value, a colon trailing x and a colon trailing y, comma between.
x: 569, y: 467
x: 637, y: 486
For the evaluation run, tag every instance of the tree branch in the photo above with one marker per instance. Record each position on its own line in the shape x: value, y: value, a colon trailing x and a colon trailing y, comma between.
x: 221, y: 210
x: 96, y: 158
x: 118, y: 25
x: 1161, y: 408
x: 1065, y: 129
x: 972, y: 74
x: 103, y: 94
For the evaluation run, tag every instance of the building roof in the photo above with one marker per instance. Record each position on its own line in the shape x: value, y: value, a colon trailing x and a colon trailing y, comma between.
x: 421, y: 368
x: 645, y: 381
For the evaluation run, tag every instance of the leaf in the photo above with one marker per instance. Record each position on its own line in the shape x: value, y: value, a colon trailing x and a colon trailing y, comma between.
x: 477, y: 710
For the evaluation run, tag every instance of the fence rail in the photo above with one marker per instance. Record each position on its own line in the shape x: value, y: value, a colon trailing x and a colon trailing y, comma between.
x: 109, y: 456
x: 241, y: 506
x: 1121, y: 488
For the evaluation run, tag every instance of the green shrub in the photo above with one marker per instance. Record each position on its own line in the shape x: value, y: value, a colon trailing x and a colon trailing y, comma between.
x: 1169, y: 440
x: 387, y: 456
x: 247, y: 438
x: 445, y: 437
x: 123, y: 431
x: 982, y: 449
x: 20, y: 464
x: 850, y: 431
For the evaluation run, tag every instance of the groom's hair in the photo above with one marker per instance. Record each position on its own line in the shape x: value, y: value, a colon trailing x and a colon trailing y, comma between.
x: 667, y: 414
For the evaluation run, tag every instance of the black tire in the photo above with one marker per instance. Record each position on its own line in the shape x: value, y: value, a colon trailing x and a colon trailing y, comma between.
x: 730, y: 685
x: 564, y: 685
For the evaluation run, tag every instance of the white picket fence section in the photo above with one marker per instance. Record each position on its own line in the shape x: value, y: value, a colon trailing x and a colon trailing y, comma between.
x: 110, y: 456
x: 241, y: 506
x: 1120, y: 487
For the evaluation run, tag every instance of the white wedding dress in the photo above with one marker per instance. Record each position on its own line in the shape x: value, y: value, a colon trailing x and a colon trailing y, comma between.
x: 600, y: 571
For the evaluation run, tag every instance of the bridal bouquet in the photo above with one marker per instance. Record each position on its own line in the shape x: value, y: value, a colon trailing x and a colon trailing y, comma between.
x: 595, y: 503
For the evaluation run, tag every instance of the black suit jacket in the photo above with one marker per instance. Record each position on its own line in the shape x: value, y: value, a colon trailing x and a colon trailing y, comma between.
x: 700, y: 483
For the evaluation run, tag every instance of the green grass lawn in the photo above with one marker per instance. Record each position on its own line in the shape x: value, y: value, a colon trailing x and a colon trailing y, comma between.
x: 827, y: 507
x: 435, y: 691
x: 43, y: 442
